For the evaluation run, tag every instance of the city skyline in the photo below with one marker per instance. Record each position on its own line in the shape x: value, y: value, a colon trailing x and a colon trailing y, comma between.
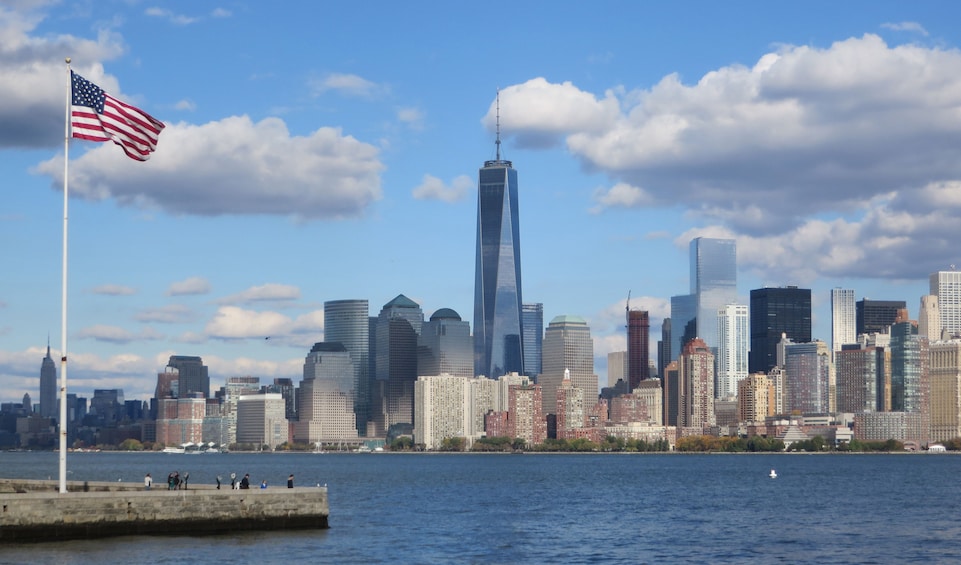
x: 290, y: 176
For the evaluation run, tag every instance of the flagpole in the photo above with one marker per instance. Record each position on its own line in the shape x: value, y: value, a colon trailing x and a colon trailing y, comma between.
x: 63, y: 312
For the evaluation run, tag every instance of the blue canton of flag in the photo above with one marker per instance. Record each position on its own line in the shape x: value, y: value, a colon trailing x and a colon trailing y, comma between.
x: 97, y: 116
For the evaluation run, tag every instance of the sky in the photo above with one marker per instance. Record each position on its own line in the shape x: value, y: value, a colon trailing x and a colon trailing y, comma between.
x: 319, y: 151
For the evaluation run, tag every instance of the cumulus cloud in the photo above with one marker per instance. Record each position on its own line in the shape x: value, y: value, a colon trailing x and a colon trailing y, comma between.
x: 232, y: 322
x: 234, y: 166
x: 413, y: 117
x: 820, y: 157
x: 33, y: 76
x: 434, y: 188
x: 538, y: 113
x: 262, y: 293
x: 192, y: 285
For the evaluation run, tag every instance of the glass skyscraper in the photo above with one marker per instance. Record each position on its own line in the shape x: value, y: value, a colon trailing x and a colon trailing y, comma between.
x: 713, y: 282
x: 348, y: 322
x: 532, y: 324
x: 843, y: 318
x: 776, y: 311
x: 498, y: 344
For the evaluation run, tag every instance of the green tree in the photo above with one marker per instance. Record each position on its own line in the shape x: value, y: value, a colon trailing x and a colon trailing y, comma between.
x: 131, y: 445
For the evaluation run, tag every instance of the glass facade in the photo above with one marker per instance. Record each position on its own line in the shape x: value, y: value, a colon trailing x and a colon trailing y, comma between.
x: 808, y: 373
x: 683, y: 323
x: 775, y: 311
x: 733, y: 338
x: 445, y: 346
x: 567, y: 346
x: 713, y: 282
x: 532, y: 325
x: 498, y: 345
x: 193, y: 375
x: 397, y: 330
x: 348, y: 322
x: 946, y: 285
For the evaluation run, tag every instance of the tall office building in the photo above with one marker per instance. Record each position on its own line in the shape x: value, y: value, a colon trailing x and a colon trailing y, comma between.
x: 261, y: 420
x: 946, y: 285
x: 445, y: 346
x: 498, y: 347
x: 808, y: 376
x: 929, y: 318
x: 859, y: 370
x: 638, y: 347
x: 616, y: 367
x: 696, y: 385
x: 945, y: 393
x: 776, y: 311
x: 347, y: 322
x: 733, y: 337
x: 567, y: 346
x: 193, y: 378
x: 532, y: 326
x: 664, y: 355
x: 570, y: 410
x: 326, y: 396
x: 683, y: 322
x: 397, y: 330
x: 876, y: 316
x: 910, y: 383
x: 48, y: 388
x: 713, y: 282
x: 843, y: 318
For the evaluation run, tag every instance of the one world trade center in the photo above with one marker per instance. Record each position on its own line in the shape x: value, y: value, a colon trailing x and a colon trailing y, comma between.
x: 498, y: 347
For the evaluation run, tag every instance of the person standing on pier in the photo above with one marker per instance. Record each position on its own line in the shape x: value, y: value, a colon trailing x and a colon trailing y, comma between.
x: 290, y: 481
x: 147, y: 481
x: 245, y: 482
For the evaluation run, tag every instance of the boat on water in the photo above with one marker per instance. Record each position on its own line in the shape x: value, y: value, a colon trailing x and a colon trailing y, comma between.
x: 772, y: 474
x: 173, y: 450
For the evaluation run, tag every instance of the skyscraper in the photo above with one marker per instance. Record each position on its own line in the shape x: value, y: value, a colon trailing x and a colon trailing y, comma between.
x: 664, y: 353
x: 807, y: 369
x: 713, y: 282
x: 776, y: 311
x: 638, y: 347
x: 48, y: 387
x: 398, y: 326
x: 929, y: 318
x: 193, y: 377
x: 733, y: 337
x: 445, y: 346
x: 568, y: 346
x: 532, y: 326
x: 696, y: 385
x: 348, y: 322
x: 498, y: 347
x: 843, y: 318
x: 946, y: 285
x: 326, y: 396
x: 875, y: 316
x: 683, y: 323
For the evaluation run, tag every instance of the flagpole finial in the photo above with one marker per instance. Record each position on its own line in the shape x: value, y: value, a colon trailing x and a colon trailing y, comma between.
x: 68, y: 60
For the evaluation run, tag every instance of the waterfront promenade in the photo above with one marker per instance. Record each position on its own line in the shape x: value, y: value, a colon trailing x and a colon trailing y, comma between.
x: 34, y: 510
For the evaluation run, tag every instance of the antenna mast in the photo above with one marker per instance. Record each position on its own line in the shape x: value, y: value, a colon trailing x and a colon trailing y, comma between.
x: 498, y: 140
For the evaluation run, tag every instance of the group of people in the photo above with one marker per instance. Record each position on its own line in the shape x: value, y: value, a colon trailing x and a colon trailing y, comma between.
x: 174, y: 481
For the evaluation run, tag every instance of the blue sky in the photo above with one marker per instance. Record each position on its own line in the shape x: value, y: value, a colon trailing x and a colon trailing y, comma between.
x: 318, y: 151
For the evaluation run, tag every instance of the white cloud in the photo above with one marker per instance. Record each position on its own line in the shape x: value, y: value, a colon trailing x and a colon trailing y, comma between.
x: 114, y: 290
x: 221, y: 13
x: 178, y: 19
x: 186, y: 105
x: 33, y: 76
x: 114, y: 334
x: 413, y: 117
x: 266, y: 292
x: 538, y: 113
x: 621, y: 195
x: 434, y: 188
x: 347, y: 84
x: 232, y: 322
x: 913, y: 27
x: 262, y: 168
x: 192, y: 285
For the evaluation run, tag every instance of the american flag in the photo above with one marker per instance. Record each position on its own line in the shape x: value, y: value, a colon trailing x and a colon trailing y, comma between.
x: 97, y: 116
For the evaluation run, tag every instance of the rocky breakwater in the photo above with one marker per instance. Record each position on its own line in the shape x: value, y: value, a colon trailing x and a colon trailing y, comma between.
x: 35, y: 511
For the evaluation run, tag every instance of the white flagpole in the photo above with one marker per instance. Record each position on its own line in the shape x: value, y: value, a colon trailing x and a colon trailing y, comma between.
x: 63, y: 312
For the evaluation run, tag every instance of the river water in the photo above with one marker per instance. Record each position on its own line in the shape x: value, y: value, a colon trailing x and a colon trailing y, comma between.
x: 542, y: 508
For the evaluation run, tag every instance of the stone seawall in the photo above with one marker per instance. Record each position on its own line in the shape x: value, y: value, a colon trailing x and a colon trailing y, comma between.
x: 30, y: 511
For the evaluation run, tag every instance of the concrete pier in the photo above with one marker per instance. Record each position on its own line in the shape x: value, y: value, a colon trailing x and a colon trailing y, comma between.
x: 32, y: 511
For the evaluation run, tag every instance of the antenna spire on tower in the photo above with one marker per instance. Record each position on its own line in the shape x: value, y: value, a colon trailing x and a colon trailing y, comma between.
x: 497, y: 142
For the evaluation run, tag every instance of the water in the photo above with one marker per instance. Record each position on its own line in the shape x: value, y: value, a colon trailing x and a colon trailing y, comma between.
x: 465, y: 508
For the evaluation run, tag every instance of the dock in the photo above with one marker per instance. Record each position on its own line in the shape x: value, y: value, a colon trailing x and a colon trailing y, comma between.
x: 35, y: 511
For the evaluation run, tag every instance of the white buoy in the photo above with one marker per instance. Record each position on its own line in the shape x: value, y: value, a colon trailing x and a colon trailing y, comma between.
x: 773, y: 474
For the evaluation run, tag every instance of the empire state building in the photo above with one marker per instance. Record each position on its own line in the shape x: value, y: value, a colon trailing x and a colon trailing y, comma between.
x: 498, y: 347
